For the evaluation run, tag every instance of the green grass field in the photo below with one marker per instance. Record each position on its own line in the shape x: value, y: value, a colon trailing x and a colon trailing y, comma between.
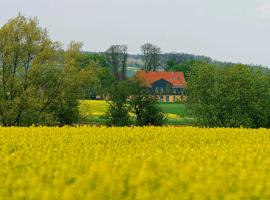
x: 174, y: 108
x: 93, y: 110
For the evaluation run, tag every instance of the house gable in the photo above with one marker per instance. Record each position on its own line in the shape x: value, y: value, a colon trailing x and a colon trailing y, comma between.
x: 161, y: 83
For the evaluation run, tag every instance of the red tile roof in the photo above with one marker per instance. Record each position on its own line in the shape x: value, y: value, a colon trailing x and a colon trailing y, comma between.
x: 177, y: 79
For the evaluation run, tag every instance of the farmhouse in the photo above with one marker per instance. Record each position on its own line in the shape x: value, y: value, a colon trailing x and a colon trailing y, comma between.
x: 168, y: 86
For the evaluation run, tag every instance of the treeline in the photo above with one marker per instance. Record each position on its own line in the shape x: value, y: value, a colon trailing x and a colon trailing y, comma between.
x: 166, y: 59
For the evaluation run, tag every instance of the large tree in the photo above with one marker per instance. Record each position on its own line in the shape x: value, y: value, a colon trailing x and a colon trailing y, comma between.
x: 117, y: 59
x: 151, y: 57
x: 231, y: 96
x: 40, y: 82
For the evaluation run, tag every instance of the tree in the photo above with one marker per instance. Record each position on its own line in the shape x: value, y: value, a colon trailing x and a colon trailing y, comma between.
x: 182, y: 67
x: 40, y: 83
x: 73, y: 82
x: 132, y: 96
x: 231, y: 96
x: 151, y: 57
x: 116, y: 57
x: 118, y: 110
x: 87, y: 58
x: 144, y: 105
x: 24, y: 48
x: 101, y: 78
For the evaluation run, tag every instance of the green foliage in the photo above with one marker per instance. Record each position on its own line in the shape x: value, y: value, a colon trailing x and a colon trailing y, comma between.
x: 183, y: 62
x: 147, y: 111
x: 74, y: 81
x: 86, y: 58
x: 173, y: 59
x: 183, y: 67
x: 229, y: 96
x: 145, y: 106
x: 93, y: 71
x: 26, y: 53
x: 106, y: 80
x: 131, y: 96
x: 118, y: 110
x: 40, y: 82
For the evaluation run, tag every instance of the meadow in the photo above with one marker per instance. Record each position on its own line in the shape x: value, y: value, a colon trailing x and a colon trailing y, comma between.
x: 134, y: 163
x: 93, y: 110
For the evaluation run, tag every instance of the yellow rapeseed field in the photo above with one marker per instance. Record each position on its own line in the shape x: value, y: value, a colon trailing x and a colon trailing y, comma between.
x: 134, y: 163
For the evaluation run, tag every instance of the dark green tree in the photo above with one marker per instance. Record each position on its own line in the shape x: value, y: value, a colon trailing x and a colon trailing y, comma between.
x: 131, y: 96
x: 144, y: 105
x: 230, y: 96
x: 182, y: 67
x: 118, y: 110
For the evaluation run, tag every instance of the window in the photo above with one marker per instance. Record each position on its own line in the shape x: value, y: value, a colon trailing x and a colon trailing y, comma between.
x: 161, y: 90
x: 161, y: 98
x: 167, y: 98
x: 174, y: 98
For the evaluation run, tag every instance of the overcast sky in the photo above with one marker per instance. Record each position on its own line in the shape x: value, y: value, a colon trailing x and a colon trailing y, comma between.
x: 226, y: 30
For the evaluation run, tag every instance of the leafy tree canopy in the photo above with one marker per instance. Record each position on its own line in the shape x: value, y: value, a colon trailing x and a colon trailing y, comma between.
x: 40, y: 82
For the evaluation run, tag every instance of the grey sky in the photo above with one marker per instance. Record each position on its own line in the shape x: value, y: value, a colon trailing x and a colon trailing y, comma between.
x: 227, y: 30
